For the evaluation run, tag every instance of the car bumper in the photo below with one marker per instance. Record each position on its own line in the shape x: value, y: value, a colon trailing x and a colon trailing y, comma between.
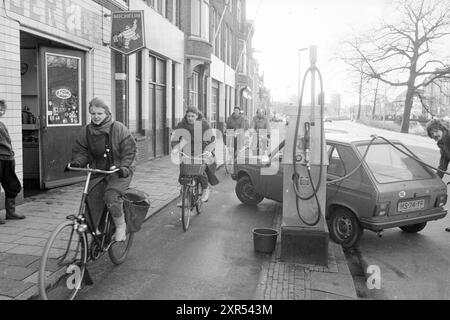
x: 430, y: 215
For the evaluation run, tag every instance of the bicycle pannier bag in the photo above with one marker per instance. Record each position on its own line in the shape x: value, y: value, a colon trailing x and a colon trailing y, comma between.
x: 136, y: 205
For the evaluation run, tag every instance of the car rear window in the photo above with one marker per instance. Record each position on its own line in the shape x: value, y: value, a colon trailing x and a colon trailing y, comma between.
x: 390, y: 165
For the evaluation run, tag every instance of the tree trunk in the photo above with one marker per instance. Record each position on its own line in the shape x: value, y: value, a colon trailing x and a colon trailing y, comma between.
x: 360, y: 98
x: 375, y: 99
x: 408, y: 106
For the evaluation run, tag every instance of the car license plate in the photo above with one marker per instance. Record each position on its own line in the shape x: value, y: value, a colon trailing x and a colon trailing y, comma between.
x: 412, y: 205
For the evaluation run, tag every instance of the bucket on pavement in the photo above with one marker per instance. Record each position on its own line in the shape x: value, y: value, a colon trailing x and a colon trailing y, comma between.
x: 264, y: 239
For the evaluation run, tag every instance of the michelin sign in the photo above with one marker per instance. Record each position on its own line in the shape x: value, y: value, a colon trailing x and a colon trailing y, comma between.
x: 127, y: 33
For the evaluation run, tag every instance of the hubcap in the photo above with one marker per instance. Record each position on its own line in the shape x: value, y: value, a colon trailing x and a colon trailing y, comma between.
x: 344, y: 228
x: 249, y: 191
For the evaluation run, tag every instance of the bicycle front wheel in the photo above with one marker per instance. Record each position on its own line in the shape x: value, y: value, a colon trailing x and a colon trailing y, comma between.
x: 118, y: 251
x: 63, y: 263
x: 186, y: 207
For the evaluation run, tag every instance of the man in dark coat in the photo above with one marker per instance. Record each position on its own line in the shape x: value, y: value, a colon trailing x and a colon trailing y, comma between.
x: 238, y: 124
x: 440, y: 133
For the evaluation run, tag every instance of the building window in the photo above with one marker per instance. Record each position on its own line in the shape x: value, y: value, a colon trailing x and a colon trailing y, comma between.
x: 200, y: 18
x: 239, y: 13
x: 159, y: 5
x: 217, y: 43
x: 214, y: 104
x: 243, y: 56
x: 193, y: 90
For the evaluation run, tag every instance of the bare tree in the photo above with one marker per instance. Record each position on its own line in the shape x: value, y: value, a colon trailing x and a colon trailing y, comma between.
x: 400, y: 54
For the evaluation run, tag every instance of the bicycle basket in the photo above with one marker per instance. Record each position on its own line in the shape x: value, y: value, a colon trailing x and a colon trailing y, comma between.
x: 189, y: 169
x: 136, y: 205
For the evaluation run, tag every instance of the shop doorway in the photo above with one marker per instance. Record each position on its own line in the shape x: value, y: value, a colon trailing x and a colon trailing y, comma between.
x: 53, y: 110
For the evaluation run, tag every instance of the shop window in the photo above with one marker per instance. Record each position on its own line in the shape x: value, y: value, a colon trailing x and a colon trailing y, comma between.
x: 200, y: 18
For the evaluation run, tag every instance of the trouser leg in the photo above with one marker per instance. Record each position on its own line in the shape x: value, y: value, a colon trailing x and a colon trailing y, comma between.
x: 12, y: 187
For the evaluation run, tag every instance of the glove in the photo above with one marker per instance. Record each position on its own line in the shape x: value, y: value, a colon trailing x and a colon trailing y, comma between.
x: 123, y: 172
x: 73, y: 164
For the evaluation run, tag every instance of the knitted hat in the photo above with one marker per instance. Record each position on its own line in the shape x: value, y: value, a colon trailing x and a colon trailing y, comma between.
x: 98, y: 103
x: 436, y: 124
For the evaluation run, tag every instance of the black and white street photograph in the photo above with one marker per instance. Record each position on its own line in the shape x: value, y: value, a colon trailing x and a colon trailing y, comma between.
x: 224, y: 156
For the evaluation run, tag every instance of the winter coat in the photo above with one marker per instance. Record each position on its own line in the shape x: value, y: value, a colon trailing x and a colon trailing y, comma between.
x: 238, y: 122
x: 444, y: 146
x: 184, y: 124
x: 260, y: 123
x: 6, y: 150
x: 90, y: 146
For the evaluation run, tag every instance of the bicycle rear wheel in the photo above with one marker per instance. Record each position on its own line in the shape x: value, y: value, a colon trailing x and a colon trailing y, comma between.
x: 118, y: 251
x: 186, y: 207
x: 63, y: 263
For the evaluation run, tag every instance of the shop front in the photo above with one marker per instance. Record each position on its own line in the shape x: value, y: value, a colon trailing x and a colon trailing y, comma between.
x: 60, y: 60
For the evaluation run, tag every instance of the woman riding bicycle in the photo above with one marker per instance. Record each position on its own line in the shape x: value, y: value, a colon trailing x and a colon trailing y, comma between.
x: 104, y: 144
x: 194, y: 119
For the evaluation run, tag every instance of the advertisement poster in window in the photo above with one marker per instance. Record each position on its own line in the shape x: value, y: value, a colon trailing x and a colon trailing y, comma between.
x: 63, y: 74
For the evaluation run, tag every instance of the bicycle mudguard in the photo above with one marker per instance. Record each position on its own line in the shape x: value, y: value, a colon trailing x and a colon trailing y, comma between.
x: 87, y: 279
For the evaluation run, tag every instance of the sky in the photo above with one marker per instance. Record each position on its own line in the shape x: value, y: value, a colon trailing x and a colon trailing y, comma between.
x: 282, y: 27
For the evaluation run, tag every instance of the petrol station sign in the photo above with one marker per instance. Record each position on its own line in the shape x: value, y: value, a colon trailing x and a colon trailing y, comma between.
x: 127, y: 31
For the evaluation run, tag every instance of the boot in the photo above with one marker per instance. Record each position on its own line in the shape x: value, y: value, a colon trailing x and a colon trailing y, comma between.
x: 10, y: 206
x: 121, y: 229
x: 2, y: 218
x: 206, y: 193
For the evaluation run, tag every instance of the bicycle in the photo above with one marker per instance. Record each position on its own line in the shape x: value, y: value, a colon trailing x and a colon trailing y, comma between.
x: 191, y: 194
x: 67, y: 251
x: 231, y: 154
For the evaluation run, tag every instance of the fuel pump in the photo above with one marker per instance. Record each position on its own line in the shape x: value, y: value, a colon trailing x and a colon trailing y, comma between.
x: 304, y: 232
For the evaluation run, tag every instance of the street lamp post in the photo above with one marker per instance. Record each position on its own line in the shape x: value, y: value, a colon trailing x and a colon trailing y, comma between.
x: 299, y: 73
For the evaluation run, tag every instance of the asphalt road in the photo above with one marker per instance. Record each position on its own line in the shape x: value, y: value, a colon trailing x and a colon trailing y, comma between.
x: 413, y: 266
x: 214, y: 259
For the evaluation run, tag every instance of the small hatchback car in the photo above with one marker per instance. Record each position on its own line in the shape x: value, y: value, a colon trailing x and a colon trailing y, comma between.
x: 390, y: 189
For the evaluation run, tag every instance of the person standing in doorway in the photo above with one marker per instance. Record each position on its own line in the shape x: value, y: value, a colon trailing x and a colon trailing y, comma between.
x: 8, y: 177
x: 437, y: 131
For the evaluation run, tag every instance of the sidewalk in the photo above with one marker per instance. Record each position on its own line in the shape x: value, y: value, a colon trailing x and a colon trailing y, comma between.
x: 292, y: 281
x: 22, y: 242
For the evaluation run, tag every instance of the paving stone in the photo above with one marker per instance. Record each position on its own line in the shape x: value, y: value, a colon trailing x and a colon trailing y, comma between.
x: 20, y: 260
x: 27, y: 250
x: 31, y: 241
x: 12, y: 288
x: 14, y: 272
x: 4, y: 298
x: 7, y: 246
x: 7, y: 238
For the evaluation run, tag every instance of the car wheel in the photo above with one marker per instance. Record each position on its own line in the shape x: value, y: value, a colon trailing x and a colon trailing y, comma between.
x: 414, y: 228
x: 344, y: 227
x: 245, y: 191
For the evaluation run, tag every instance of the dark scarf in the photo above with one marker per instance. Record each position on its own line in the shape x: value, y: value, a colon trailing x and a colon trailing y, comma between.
x: 102, y: 128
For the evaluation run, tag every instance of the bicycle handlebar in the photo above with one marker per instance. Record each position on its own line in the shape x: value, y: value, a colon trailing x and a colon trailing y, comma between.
x: 92, y: 170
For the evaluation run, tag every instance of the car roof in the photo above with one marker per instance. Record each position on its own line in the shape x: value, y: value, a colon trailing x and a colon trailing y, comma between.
x: 338, y: 136
x: 344, y: 137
